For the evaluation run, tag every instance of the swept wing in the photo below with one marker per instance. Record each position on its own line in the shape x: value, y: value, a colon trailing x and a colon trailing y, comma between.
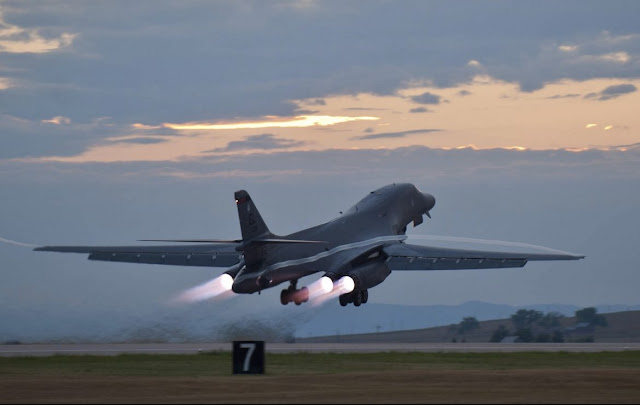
x: 403, y: 256
x: 203, y: 255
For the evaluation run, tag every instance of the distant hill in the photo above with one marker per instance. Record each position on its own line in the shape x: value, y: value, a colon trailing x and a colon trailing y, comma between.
x: 332, y: 319
x: 622, y: 327
x: 226, y: 321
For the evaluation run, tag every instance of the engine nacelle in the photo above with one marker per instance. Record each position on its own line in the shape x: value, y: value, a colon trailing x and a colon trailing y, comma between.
x: 369, y: 275
x: 235, y: 269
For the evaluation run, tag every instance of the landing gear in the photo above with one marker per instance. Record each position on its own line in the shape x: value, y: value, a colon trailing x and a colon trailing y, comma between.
x: 285, y: 297
x: 356, y: 297
x: 292, y: 294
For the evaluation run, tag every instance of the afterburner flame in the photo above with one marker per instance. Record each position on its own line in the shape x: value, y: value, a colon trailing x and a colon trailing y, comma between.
x: 320, y: 287
x: 219, y: 287
x: 343, y: 286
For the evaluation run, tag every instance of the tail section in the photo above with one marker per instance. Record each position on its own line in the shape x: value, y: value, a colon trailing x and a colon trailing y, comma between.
x: 252, y: 225
x: 257, y: 240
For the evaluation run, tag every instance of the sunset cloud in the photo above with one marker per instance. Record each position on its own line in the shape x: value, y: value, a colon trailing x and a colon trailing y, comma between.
x: 259, y: 142
x: 14, y: 39
x: 612, y: 92
x: 58, y: 120
x: 427, y: 98
x: 618, y: 57
x: 301, y: 121
x: 400, y: 134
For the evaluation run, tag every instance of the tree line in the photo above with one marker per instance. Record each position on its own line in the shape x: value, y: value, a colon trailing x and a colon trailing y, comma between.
x: 528, y: 325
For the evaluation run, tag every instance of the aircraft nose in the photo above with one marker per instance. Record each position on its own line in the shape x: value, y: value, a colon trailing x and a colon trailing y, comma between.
x: 430, y: 201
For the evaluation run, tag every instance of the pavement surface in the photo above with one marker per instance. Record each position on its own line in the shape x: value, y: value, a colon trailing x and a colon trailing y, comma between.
x: 191, y: 348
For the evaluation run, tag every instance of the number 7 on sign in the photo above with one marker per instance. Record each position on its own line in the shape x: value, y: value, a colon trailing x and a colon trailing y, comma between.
x: 247, y: 358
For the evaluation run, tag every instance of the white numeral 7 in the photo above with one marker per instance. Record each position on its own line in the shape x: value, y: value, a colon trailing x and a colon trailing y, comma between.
x: 247, y: 359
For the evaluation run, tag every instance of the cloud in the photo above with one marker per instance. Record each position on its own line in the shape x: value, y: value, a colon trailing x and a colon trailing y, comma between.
x: 418, y: 110
x: 58, y: 120
x: 618, y: 57
x: 142, y: 140
x: 14, y: 39
x: 364, y: 109
x: 427, y: 98
x: 619, y: 89
x: 144, y: 126
x: 263, y: 141
x: 632, y: 146
x: 234, y: 59
x: 567, y: 48
x: 22, y: 137
x: 558, y: 96
x: 301, y: 121
x: 221, y: 61
x: 612, y: 92
x: 317, y: 101
x: 596, y: 55
x: 400, y: 134
x: 422, y: 164
x: 5, y: 83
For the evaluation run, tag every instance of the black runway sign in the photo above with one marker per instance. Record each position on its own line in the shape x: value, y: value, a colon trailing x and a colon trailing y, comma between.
x: 248, y: 357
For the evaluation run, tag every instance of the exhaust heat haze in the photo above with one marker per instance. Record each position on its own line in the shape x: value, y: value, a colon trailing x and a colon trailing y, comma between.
x: 219, y: 287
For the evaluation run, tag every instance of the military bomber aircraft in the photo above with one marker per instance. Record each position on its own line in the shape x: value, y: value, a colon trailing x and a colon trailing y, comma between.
x: 356, y: 251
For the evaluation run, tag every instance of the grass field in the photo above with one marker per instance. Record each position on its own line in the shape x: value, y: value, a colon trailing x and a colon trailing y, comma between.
x: 606, y: 377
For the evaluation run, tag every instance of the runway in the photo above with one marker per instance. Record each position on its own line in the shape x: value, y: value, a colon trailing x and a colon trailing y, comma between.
x: 193, y: 348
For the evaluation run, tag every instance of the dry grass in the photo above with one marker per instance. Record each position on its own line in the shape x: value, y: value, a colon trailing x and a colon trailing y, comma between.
x: 327, y: 378
x: 422, y: 386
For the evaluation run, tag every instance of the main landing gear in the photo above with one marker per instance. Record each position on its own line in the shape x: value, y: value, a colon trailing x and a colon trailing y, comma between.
x: 292, y: 294
x: 356, y: 297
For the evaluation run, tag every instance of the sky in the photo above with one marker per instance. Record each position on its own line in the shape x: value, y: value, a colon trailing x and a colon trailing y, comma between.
x: 130, y: 120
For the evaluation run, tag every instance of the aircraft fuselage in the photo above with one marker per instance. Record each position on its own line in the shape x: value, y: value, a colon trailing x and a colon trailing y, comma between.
x: 381, y: 216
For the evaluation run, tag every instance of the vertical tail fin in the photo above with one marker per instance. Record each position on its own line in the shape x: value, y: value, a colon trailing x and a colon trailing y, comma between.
x: 252, y: 225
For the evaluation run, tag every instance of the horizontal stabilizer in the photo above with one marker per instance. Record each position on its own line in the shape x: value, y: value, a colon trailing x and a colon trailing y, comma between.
x: 273, y: 240
x: 260, y: 240
x: 193, y: 240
